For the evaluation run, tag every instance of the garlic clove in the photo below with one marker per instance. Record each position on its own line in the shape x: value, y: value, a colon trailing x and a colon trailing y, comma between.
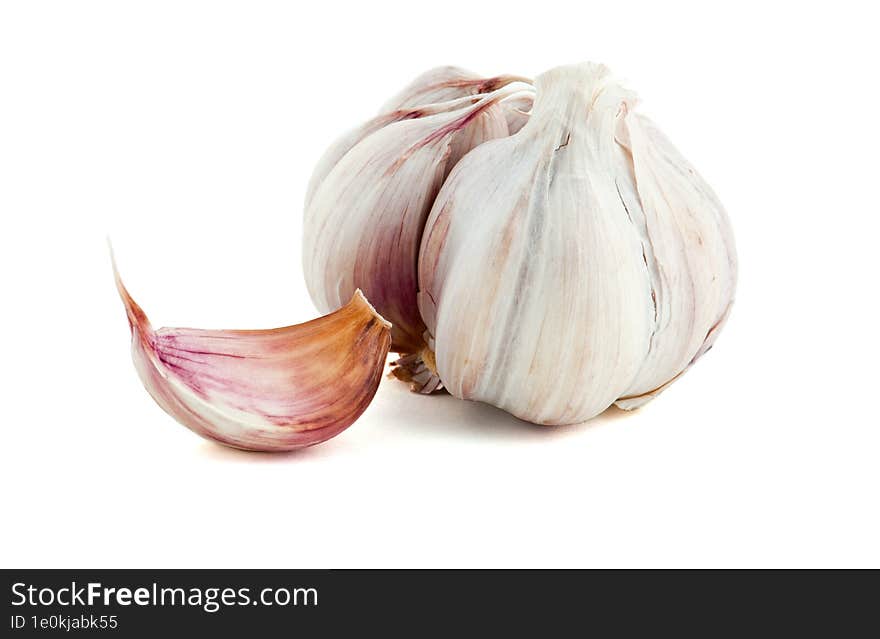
x: 537, y: 286
x: 363, y: 225
x: 264, y: 390
x: 689, y: 253
x: 552, y: 333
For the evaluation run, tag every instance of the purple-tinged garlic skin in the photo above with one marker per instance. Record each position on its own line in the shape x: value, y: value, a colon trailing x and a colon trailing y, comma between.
x: 441, y: 84
x: 436, y: 85
x: 363, y: 225
x: 264, y: 390
x: 348, y: 140
x: 436, y: 91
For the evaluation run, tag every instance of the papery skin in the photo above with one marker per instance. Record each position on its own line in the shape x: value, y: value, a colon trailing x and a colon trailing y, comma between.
x: 689, y: 246
x: 577, y: 263
x: 435, y: 91
x: 264, y: 390
x: 348, y: 140
x: 517, y: 111
x: 449, y: 82
x: 363, y: 225
x: 444, y: 83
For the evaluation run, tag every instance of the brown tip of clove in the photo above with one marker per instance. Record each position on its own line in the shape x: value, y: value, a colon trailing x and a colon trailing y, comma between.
x: 137, y: 318
x: 360, y: 298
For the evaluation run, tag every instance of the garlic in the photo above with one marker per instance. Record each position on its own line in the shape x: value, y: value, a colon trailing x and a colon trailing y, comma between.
x: 578, y: 263
x: 364, y: 221
x: 435, y: 91
x: 264, y: 390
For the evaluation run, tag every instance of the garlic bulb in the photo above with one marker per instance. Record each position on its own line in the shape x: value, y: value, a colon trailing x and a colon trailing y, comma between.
x: 264, y: 390
x: 364, y: 221
x: 578, y: 263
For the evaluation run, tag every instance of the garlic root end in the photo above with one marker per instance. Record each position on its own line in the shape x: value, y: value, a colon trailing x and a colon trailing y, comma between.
x: 419, y: 370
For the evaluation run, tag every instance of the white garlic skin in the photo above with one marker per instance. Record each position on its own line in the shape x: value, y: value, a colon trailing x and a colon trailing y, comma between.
x: 577, y: 263
x: 517, y: 110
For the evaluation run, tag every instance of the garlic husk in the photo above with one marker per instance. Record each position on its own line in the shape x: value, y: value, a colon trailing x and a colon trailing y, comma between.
x: 445, y: 83
x: 349, y: 139
x: 516, y: 111
x: 435, y: 91
x: 449, y: 83
x: 363, y: 225
x: 264, y: 390
x: 345, y: 142
x: 690, y: 251
x: 576, y: 263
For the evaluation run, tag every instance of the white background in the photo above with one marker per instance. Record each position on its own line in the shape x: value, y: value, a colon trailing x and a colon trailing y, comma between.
x: 187, y: 131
